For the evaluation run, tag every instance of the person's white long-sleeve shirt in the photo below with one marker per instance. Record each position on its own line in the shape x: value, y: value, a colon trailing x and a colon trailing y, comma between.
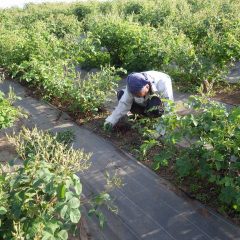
x: 161, y: 84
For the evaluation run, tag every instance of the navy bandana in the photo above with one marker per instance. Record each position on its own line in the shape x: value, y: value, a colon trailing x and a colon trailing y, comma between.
x: 136, y: 81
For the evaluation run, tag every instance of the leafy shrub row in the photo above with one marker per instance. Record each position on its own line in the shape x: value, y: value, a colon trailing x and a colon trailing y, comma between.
x: 209, y: 29
x: 46, y: 55
x: 211, y: 136
x: 137, y: 47
x: 193, y: 41
x: 8, y: 113
x: 41, y: 198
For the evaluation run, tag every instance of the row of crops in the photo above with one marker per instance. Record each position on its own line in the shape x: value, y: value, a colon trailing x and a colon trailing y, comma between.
x: 39, y: 199
x: 193, y: 41
x: 40, y: 196
x: 203, y: 149
x: 7, y: 113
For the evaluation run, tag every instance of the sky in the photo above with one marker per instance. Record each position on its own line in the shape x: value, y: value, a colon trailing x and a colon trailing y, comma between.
x: 20, y: 3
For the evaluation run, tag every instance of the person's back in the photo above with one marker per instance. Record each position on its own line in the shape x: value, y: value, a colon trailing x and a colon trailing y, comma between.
x: 142, y: 95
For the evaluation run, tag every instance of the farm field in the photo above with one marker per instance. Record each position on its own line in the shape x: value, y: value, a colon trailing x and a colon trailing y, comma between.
x: 75, y: 56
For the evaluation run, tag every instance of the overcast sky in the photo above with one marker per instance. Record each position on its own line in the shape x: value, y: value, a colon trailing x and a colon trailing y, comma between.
x: 20, y: 3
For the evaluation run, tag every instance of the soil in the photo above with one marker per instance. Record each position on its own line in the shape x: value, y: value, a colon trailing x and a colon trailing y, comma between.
x: 7, y: 151
x: 229, y: 94
x: 83, y: 231
x: 230, y: 98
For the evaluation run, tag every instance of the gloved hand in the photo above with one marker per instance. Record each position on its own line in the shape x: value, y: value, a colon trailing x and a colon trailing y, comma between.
x: 107, y: 127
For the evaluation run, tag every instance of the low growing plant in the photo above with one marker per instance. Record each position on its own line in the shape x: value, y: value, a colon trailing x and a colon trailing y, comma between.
x: 8, y: 113
x: 41, y: 198
x: 210, y: 135
x: 89, y: 95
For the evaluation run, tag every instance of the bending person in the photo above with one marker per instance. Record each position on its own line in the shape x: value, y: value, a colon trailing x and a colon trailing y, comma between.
x: 142, y: 95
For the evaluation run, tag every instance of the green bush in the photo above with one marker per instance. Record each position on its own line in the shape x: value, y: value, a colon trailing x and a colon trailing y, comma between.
x: 47, y: 57
x: 39, y: 57
x: 193, y: 41
x: 13, y: 45
x: 133, y: 7
x: 211, y: 27
x: 211, y: 152
x: 20, y: 46
x: 82, y: 10
x: 61, y: 25
x: 41, y: 198
x: 128, y: 44
x: 89, y: 96
x: 139, y: 48
x: 106, y: 7
x: 91, y: 52
x: 156, y: 14
x: 8, y: 114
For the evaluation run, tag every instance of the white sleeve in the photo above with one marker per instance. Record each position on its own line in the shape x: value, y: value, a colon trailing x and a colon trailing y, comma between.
x: 164, y: 87
x: 162, y: 84
x: 124, y: 105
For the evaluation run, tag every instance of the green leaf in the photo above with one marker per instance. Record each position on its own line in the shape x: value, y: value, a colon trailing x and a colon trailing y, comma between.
x: 69, y: 195
x: 195, y: 123
x: 62, y: 235
x: 62, y: 191
x: 74, y: 203
x: 63, y: 211
x: 163, y: 158
x: 48, y: 236
x: 3, y: 210
x: 75, y: 215
x: 101, y: 218
x: 101, y: 198
x: 156, y: 165
x: 218, y: 165
x: 52, y: 227
x: 78, y: 187
x: 77, y: 184
x: 184, y: 166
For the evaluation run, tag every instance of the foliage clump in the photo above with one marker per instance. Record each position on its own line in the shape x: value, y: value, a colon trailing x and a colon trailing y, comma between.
x: 41, y: 198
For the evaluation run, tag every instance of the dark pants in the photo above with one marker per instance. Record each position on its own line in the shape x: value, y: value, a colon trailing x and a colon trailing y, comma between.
x: 153, y: 108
